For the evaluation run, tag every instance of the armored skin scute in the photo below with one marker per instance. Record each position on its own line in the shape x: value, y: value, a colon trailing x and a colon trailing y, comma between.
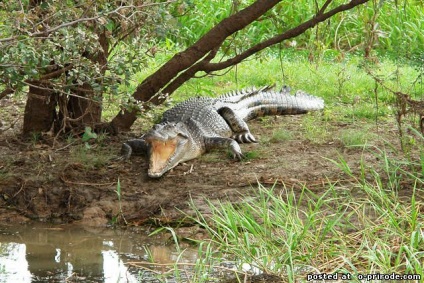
x: 200, y: 124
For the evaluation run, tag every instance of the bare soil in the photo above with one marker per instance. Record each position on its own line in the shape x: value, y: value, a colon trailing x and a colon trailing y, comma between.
x: 64, y: 182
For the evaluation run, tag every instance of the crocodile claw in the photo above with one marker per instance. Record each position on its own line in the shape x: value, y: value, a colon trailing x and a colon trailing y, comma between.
x: 239, y: 156
x: 246, y: 137
x: 126, y: 151
x: 236, y: 151
x: 119, y: 158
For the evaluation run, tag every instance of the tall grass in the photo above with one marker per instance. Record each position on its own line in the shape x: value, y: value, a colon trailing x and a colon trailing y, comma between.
x: 367, y: 224
x: 371, y: 225
x: 394, y: 26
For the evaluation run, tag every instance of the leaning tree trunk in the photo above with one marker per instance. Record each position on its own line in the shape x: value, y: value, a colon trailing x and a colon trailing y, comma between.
x: 198, y: 57
x: 184, y: 60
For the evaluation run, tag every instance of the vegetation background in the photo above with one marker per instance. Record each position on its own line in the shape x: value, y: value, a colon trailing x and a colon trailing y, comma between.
x: 102, y: 52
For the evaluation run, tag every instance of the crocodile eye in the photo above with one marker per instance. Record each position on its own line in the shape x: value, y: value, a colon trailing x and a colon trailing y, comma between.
x: 183, y: 135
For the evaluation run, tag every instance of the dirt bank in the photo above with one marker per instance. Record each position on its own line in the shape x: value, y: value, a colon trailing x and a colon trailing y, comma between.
x: 69, y: 182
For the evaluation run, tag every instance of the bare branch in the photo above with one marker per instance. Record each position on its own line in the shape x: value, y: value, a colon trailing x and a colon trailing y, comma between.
x: 6, y: 91
x: 318, y: 18
x: 185, y: 59
x: 324, y: 7
x: 189, y: 73
x: 61, y: 91
x: 57, y: 73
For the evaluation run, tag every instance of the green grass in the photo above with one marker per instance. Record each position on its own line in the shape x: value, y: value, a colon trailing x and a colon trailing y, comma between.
x: 280, y: 135
x: 252, y: 154
x: 356, y: 137
x: 91, y: 158
x: 366, y: 226
x: 315, y: 131
x: 347, y: 89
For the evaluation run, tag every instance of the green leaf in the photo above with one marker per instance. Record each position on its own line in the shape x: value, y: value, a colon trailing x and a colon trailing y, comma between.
x: 88, y: 134
x: 110, y: 25
x: 44, y: 5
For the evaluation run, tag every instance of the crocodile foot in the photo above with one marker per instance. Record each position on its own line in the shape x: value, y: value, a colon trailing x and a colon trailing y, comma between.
x: 245, y: 137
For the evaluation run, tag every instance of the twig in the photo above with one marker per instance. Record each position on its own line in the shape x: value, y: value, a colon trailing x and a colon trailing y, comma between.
x: 12, y: 125
x: 66, y: 146
x: 20, y: 190
x: 322, y: 10
x: 57, y: 90
x: 86, y: 184
x: 56, y: 73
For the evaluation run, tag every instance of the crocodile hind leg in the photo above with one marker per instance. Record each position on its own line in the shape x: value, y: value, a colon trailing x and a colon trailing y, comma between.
x: 241, y: 132
x: 219, y: 142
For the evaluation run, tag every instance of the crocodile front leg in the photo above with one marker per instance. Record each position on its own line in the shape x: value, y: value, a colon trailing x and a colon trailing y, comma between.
x: 135, y: 146
x: 238, y: 126
x: 219, y: 142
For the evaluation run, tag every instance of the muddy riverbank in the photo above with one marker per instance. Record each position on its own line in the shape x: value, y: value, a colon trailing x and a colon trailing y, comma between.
x: 71, y: 182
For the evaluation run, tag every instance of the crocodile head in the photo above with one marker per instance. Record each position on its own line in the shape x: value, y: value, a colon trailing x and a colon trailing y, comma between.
x: 169, y: 145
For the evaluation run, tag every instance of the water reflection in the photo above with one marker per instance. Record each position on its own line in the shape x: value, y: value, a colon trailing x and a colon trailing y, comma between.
x: 46, y: 254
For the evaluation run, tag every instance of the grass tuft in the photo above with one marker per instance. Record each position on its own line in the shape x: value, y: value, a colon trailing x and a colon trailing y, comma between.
x: 355, y: 137
x: 280, y: 135
x: 91, y: 158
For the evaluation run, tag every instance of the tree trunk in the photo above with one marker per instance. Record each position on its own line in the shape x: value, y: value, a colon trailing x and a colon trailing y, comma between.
x: 83, y: 108
x: 75, y: 111
x: 40, y: 112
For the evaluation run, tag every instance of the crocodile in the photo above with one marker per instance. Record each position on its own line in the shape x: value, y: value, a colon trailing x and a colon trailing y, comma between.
x: 200, y: 124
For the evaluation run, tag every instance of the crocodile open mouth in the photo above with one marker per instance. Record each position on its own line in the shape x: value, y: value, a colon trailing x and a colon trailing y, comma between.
x: 160, y: 156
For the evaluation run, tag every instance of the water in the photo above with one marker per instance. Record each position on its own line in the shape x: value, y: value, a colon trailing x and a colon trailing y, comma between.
x: 40, y: 253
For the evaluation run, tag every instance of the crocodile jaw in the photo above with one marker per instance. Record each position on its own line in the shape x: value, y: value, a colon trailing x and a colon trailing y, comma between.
x: 165, y: 155
x: 161, y: 153
x: 169, y: 144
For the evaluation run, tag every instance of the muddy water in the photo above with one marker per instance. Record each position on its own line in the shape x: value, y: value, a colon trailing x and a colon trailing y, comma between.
x: 76, y: 254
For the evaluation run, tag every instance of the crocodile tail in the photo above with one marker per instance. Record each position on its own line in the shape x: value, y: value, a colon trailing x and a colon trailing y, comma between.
x: 277, y: 103
x: 239, y: 95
